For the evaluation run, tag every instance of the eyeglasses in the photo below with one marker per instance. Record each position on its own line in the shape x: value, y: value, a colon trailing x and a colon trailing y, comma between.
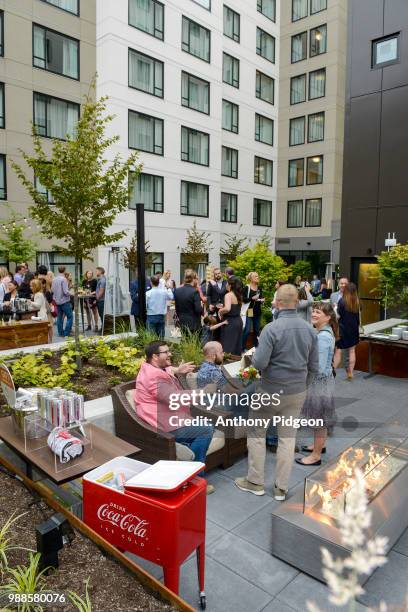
x: 163, y: 352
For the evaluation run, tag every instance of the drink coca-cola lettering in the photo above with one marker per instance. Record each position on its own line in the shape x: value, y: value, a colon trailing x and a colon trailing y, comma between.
x: 129, y: 523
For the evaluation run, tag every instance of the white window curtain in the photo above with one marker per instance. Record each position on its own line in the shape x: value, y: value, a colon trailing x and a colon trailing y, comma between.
x: 297, y: 131
x: 298, y: 47
x: 141, y: 72
x: 263, y: 212
x: 198, y: 148
x: 264, y: 129
x: 266, y: 45
x: 296, y: 172
x: 141, y: 14
x: 40, y: 114
x: 298, y: 89
x: 318, y: 5
x: 141, y: 132
x: 263, y: 171
x: 39, y: 47
x: 267, y: 8
x: 228, y: 68
x: 295, y: 213
x: 318, y: 41
x: 299, y: 9
x: 199, y: 41
x: 317, y: 84
x: 2, y: 177
x: 142, y: 192
x: 228, y: 22
x: 196, y: 92
x: 313, y: 213
x: 43, y: 259
x: 194, y: 198
x: 67, y: 5
x: 70, y: 58
x: 227, y: 115
x: 61, y: 118
x: 264, y: 86
x: 316, y: 127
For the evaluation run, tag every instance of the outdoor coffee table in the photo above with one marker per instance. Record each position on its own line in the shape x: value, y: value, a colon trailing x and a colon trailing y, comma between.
x: 105, y: 446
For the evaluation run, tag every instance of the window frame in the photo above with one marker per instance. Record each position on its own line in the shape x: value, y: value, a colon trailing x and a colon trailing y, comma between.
x: 323, y: 25
x: 38, y: 25
x: 155, y: 2
x: 308, y: 126
x: 256, y: 223
x: 189, y: 130
x: 156, y: 205
x: 263, y: 74
x: 325, y: 75
x: 258, y: 157
x: 232, y: 131
x: 234, y: 173
x: 235, y: 59
x: 321, y: 211
x: 374, y: 65
x: 77, y: 14
x: 316, y: 12
x: 48, y: 97
x: 156, y: 61
x: 300, y: 18
x: 234, y: 37
x: 3, y: 101
x: 235, y: 200
x: 302, y: 59
x: 187, y: 214
x: 298, y: 76
x: 259, y: 4
x: 296, y: 144
x: 47, y: 194
x: 3, y: 161
x: 190, y: 21
x: 259, y: 49
x: 2, y: 33
x: 130, y: 111
x: 258, y: 115
x: 202, y: 6
x: 190, y: 75
x: 303, y: 172
x: 307, y: 169
x: 301, y: 216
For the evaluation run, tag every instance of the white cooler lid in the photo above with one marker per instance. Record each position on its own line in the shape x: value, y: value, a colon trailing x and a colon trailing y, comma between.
x: 165, y: 475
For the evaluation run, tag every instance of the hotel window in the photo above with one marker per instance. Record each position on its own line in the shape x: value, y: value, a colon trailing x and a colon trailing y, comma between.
x: 229, y: 162
x: 2, y: 106
x: 262, y: 212
x: 296, y: 176
x: 318, y: 40
x: 265, y: 87
x: 299, y: 9
x: 317, y: 84
x: 55, y: 118
x: 145, y: 73
x: 147, y: 189
x: 263, y: 129
x: 53, y: 259
x: 314, y: 170
x: 313, y: 213
x: 265, y: 45
x: 230, y: 70
x: 3, y: 181
x: 267, y: 8
x: 295, y: 213
x: 71, y: 6
x: 1, y: 33
x: 315, y: 127
x: 230, y: 116
x: 194, y: 199
x: 385, y: 51
x: 317, y: 5
x: 148, y: 16
x: 195, y: 146
x: 55, y: 52
x: 299, y: 47
x: 231, y: 24
x: 145, y: 133
x: 196, y: 40
x: 263, y: 171
x: 204, y: 3
x: 298, y: 89
x: 229, y: 207
x: 297, y: 131
x: 195, y: 93
x: 43, y: 190
x: 155, y: 264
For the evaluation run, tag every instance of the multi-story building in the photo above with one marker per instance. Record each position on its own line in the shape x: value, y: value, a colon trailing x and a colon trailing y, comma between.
x: 47, y: 62
x: 311, y: 124
x: 194, y: 87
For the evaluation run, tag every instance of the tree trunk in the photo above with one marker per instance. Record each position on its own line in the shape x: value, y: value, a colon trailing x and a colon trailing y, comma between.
x: 76, y: 309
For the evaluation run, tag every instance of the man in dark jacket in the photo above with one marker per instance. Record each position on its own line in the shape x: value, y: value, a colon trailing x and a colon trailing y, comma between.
x: 188, y: 303
x: 216, y: 291
x: 134, y: 294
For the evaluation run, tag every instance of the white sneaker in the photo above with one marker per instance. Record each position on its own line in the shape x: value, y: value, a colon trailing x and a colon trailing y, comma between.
x: 278, y: 494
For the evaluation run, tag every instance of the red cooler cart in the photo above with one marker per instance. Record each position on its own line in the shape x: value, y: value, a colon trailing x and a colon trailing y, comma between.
x: 156, y: 512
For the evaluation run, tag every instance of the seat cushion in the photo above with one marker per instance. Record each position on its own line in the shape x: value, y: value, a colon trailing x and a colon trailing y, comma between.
x: 191, y: 380
x: 130, y: 396
x: 217, y: 442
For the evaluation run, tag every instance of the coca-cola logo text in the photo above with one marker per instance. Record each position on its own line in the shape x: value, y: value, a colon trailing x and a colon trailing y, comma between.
x: 127, y: 522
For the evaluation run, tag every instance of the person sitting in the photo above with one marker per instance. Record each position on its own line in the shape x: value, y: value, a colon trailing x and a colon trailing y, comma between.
x: 24, y: 290
x: 210, y: 372
x: 156, y: 383
x: 12, y: 292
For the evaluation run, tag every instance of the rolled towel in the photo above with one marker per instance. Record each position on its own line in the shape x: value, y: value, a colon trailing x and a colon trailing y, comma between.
x: 64, y: 445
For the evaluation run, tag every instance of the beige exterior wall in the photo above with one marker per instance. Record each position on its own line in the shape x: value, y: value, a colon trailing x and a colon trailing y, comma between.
x: 333, y: 104
x: 21, y: 79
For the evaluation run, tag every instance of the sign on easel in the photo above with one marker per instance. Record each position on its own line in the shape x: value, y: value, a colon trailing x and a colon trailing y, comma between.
x: 7, y: 385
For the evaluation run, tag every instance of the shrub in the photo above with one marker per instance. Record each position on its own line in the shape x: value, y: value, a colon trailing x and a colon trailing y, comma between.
x: 123, y: 358
x: 188, y: 349
x: 31, y: 371
x: 300, y: 268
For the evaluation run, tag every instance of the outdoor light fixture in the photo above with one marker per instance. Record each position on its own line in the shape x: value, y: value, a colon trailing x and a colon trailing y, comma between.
x: 51, y: 536
x: 316, y: 160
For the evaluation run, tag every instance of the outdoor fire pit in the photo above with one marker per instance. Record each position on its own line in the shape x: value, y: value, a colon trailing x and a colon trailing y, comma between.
x: 309, y: 519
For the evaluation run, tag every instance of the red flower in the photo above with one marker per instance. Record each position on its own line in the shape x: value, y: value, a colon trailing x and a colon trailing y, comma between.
x: 245, y: 374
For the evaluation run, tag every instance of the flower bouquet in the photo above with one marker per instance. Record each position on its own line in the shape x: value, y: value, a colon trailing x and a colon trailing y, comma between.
x: 248, y: 374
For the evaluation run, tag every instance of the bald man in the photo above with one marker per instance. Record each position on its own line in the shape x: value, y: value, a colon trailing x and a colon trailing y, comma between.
x: 210, y: 372
x: 287, y: 356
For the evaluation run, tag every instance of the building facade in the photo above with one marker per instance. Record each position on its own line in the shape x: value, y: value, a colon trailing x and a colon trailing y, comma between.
x: 311, y: 125
x: 47, y: 62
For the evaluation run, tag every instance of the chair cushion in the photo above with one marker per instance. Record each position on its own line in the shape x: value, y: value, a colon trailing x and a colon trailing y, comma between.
x: 191, y: 380
x: 217, y: 442
x: 130, y: 396
x: 183, y: 453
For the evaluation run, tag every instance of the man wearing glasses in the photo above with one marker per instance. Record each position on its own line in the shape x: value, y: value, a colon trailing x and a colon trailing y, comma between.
x: 156, y: 383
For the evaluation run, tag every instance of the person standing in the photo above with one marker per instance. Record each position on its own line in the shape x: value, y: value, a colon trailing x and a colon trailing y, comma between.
x: 100, y: 292
x: 315, y: 285
x: 287, y: 357
x: 231, y: 334
x: 39, y: 300
x: 62, y: 298
x: 319, y: 402
x: 134, y: 294
x: 348, y: 313
x: 19, y: 274
x: 24, y: 290
x: 305, y: 301
x: 216, y: 290
x: 89, y: 286
x: 11, y: 294
x: 337, y: 295
x: 156, y: 306
x: 252, y: 295
x: 274, y: 307
x: 188, y: 304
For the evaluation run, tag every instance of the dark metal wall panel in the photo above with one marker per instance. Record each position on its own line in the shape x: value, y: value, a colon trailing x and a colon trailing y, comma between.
x: 357, y: 235
x: 366, y: 25
x: 396, y: 20
x: 392, y: 219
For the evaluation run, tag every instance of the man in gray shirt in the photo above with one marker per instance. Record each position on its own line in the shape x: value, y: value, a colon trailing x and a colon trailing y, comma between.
x: 287, y: 357
x: 62, y: 299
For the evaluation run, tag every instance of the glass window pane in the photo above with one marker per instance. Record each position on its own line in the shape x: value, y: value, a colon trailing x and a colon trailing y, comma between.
x: 299, y: 9
x: 1, y: 33
x: 296, y: 172
x: 230, y: 70
x: 265, y: 87
x: 262, y: 212
x: 313, y: 213
x: 231, y: 24
x: 147, y: 190
x: 263, y: 171
x: 318, y: 40
x: 3, y: 191
x: 204, y: 3
x: 195, y: 93
x: 194, y: 199
x: 194, y: 146
x: 385, y: 50
x: 55, y: 118
x: 315, y: 130
x: 263, y: 129
x: 145, y: 133
x: 317, y: 84
x: 297, y: 131
x: 55, y: 52
x: 43, y: 190
x: 267, y: 8
x: 298, y: 89
x: 195, y: 39
x: 265, y: 45
x: 148, y: 16
x: 229, y: 207
x: 299, y: 47
x: 145, y: 73
x: 295, y: 213
x: 314, y: 170
x: 2, y: 106
x: 230, y: 113
x: 317, y: 5
x: 229, y: 162
x: 72, y: 6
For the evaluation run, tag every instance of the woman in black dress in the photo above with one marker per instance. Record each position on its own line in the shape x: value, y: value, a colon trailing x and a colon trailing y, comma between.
x: 348, y: 313
x: 231, y: 334
x: 252, y: 295
x: 89, y: 285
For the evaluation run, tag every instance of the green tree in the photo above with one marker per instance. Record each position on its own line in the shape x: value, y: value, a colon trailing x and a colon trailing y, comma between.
x: 235, y: 244
x: 300, y: 268
x: 13, y: 243
x: 270, y: 268
x: 393, y: 277
x: 129, y: 257
x: 88, y: 191
x: 198, y: 244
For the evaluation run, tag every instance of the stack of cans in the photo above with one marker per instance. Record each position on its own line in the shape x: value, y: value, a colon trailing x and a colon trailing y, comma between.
x: 60, y: 407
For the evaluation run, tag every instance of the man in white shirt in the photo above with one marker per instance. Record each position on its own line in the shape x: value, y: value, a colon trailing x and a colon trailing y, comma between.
x: 156, y: 306
x: 337, y: 295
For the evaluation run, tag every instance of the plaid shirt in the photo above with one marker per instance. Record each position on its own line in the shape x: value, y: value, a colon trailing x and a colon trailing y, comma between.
x: 209, y: 373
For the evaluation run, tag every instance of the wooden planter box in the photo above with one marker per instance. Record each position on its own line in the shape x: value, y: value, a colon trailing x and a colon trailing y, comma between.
x: 388, y: 358
x: 24, y: 333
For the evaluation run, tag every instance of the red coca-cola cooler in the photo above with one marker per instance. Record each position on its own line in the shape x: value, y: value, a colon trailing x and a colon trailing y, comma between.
x: 156, y: 512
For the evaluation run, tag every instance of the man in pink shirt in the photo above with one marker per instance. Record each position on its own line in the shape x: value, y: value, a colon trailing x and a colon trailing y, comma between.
x: 157, y: 389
